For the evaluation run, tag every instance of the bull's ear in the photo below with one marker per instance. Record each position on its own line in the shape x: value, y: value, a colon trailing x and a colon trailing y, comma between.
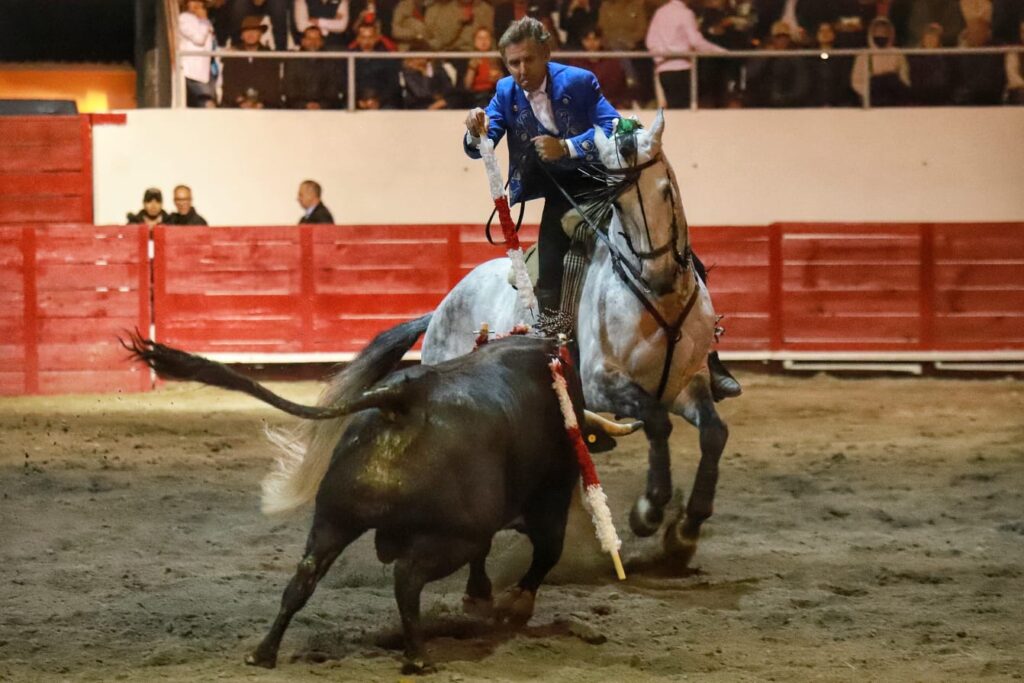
x: 658, y: 127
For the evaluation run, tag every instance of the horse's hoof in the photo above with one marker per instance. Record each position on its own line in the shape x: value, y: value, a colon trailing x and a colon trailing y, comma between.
x: 677, y: 546
x: 257, y: 659
x: 417, y: 666
x: 514, y: 607
x: 479, y: 608
x: 644, y: 518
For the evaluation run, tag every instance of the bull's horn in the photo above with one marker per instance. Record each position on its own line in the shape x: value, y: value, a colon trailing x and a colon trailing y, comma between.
x: 610, y: 427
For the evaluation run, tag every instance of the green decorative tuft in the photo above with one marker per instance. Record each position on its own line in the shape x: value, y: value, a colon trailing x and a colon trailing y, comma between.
x: 627, y: 126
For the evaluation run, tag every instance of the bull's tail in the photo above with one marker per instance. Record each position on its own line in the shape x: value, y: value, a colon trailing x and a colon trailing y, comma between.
x: 306, y: 450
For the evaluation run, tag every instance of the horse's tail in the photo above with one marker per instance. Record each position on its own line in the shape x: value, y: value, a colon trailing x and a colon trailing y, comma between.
x: 305, y: 451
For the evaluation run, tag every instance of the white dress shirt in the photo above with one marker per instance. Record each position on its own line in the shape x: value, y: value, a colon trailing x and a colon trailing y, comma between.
x: 673, y: 28
x: 540, y: 104
x: 195, y: 34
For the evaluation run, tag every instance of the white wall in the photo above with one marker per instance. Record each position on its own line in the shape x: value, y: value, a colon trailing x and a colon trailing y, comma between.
x: 735, y: 167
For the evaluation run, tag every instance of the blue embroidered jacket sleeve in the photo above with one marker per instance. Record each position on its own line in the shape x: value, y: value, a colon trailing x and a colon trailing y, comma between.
x: 601, y: 113
x: 495, y: 128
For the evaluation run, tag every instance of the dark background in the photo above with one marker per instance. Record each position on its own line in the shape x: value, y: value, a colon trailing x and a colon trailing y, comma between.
x: 68, y: 30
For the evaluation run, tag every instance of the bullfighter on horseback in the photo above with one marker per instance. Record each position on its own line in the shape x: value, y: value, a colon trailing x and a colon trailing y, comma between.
x: 549, y: 111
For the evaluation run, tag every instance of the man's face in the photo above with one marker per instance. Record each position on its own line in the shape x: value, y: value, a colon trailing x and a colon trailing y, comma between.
x: 182, y: 201
x: 312, y: 40
x: 527, y: 62
x: 307, y: 197
x: 826, y: 35
x: 153, y: 207
x: 366, y: 38
x: 197, y: 7
x: 591, y: 42
x: 251, y: 38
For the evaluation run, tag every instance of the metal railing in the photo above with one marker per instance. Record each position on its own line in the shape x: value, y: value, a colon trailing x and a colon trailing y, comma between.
x: 351, y: 57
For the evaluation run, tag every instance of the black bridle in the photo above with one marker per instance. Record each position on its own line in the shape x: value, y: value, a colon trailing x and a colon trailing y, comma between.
x: 627, y: 272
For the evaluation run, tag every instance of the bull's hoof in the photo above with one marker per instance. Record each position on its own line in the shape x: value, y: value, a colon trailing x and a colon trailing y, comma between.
x: 644, y: 518
x: 478, y: 608
x: 679, y: 547
x: 514, y: 607
x: 417, y: 666
x: 256, y: 658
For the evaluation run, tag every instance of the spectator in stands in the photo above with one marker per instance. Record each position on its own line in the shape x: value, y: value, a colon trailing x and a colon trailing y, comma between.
x: 452, y: 23
x: 976, y: 9
x: 511, y: 10
x: 979, y: 79
x: 888, y: 76
x: 409, y: 24
x: 185, y: 213
x: 251, y: 83
x: 610, y: 72
x: 425, y: 83
x: 312, y: 83
x: 1007, y: 16
x: 276, y: 12
x: 577, y: 18
x: 931, y: 76
x: 195, y: 32
x: 379, y: 74
x: 916, y: 15
x: 1015, y: 72
x: 152, y: 212
x: 330, y: 16
x: 623, y: 25
x: 380, y: 12
x: 482, y: 73
x: 674, y: 29
x: 830, y: 74
x: 309, y: 200
x: 368, y: 99
x: 779, y: 82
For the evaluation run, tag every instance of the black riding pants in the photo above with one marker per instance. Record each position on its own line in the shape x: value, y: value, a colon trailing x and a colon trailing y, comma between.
x: 552, y: 242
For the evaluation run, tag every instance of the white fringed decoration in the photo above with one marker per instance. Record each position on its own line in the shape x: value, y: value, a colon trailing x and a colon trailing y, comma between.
x: 524, y: 287
x: 594, y: 499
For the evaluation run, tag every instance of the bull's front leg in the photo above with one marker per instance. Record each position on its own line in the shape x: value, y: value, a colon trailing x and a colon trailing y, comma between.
x: 625, y: 397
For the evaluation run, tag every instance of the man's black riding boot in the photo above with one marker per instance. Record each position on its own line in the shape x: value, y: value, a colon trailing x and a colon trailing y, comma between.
x: 723, y: 384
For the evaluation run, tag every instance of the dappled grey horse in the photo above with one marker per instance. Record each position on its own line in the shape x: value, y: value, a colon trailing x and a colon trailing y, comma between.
x: 645, y: 324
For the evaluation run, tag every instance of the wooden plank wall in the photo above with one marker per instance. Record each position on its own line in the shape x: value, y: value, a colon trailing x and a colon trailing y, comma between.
x: 325, y: 289
x: 45, y: 170
x: 68, y: 293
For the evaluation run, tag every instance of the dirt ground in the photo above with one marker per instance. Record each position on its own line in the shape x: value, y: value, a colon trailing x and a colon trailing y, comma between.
x: 864, y: 530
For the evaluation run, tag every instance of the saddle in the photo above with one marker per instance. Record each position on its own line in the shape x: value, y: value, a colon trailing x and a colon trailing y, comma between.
x: 574, y: 265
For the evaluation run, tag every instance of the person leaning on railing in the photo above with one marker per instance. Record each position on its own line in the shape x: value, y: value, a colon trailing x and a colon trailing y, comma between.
x: 674, y: 28
x: 195, y: 32
x: 1015, y: 72
x: 887, y: 75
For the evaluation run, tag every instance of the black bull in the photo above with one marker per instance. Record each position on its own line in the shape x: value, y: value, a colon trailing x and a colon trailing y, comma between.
x: 437, y: 459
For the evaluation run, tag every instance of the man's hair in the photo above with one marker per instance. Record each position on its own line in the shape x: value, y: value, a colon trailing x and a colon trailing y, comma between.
x: 526, y: 28
x: 182, y: 187
x: 313, y: 185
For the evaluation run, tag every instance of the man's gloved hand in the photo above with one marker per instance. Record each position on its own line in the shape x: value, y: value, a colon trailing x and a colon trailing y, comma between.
x: 476, y: 122
x: 550, y: 148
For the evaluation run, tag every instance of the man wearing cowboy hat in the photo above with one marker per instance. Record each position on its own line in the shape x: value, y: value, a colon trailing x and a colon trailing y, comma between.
x: 251, y: 83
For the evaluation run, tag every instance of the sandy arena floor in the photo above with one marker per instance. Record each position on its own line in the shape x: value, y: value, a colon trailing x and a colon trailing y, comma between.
x: 864, y: 530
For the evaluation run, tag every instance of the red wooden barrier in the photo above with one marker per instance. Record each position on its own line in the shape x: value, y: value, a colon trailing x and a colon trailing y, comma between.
x: 45, y: 169
x: 304, y: 289
x: 67, y: 293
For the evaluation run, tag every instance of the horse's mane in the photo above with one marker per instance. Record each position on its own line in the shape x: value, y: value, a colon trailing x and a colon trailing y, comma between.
x: 596, y: 203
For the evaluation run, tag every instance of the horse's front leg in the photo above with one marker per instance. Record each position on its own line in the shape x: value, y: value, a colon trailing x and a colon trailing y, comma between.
x: 626, y: 398
x: 697, y: 407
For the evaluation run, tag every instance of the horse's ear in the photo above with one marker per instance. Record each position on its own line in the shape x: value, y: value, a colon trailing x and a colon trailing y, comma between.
x: 658, y: 127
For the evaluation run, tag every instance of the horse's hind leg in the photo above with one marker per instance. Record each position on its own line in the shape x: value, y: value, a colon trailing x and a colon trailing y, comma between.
x: 698, y: 407
x: 325, y: 543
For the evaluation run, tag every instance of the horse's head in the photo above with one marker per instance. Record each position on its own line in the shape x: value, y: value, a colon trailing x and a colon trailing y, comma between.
x: 648, y: 209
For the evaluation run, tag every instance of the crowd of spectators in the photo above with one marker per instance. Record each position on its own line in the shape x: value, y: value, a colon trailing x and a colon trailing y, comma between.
x: 152, y: 212
x: 714, y: 27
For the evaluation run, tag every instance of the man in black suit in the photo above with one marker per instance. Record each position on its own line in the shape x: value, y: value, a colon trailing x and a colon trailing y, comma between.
x: 309, y: 199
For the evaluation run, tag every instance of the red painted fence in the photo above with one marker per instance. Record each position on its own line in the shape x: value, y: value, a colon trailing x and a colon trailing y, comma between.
x: 67, y: 291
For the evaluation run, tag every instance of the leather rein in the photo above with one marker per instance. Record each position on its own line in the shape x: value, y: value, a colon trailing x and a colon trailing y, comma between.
x: 630, y: 275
